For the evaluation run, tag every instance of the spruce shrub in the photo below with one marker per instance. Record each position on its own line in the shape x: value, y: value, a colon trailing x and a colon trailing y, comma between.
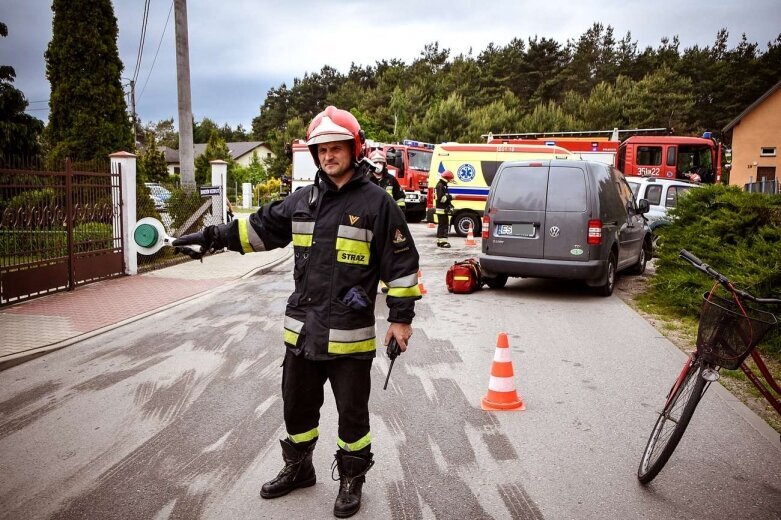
x: 737, y: 233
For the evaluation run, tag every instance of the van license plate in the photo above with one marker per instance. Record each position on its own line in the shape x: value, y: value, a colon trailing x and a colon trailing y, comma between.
x: 516, y: 230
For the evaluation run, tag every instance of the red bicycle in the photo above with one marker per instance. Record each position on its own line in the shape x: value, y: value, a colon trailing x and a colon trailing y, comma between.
x: 728, y: 332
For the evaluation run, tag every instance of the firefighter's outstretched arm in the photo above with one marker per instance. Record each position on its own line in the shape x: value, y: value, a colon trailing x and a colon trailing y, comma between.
x: 268, y: 228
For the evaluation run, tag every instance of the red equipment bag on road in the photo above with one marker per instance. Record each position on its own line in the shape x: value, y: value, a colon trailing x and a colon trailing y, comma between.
x: 464, y: 277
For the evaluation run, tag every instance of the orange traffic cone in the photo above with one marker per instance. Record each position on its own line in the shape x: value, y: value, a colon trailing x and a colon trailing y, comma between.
x: 420, y: 283
x: 470, y: 237
x: 501, y: 387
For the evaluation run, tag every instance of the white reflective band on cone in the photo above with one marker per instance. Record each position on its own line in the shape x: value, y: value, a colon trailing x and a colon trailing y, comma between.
x: 501, y: 384
x: 502, y: 355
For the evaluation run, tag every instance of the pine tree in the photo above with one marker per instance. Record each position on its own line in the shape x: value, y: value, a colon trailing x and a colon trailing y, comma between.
x: 19, y: 132
x: 215, y: 149
x: 151, y: 163
x: 88, y: 118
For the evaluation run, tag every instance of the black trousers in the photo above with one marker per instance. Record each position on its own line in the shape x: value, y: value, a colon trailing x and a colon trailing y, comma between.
x: 302, y: 392
x: 443, y: 225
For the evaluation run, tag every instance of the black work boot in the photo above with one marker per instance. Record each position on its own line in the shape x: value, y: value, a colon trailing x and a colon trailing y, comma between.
x: 352, y: 475
x: 297, y: 473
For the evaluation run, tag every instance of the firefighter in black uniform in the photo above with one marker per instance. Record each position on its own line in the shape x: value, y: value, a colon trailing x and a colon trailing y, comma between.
x: 385, y: 180
x: 443, y: 207
x: 347, y: 235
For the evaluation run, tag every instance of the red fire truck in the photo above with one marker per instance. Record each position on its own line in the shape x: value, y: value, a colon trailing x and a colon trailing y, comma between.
x: 409, y: 162
x: 649, y: 152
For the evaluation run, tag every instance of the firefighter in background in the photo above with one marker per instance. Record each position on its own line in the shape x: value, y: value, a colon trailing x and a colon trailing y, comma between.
x: 385, y: 180
x: 347, y: 235
x: 443, y: 207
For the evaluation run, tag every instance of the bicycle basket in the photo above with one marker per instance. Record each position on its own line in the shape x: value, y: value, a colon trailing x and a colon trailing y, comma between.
x: 726, y: 335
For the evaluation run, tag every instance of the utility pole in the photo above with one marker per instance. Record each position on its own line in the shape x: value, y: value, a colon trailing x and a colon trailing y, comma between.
x: 133, y: 111
x: 133, y: 115
x: 186, y: 151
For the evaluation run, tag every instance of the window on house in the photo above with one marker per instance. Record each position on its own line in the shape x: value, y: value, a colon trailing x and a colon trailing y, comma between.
x: 268, y: 155
x: 768, y: 151
x: 176, y: 170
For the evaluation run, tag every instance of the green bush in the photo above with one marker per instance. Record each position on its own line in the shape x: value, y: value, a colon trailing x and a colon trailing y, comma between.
x: 182, y: 205
x: 736, y: 232
x: 145, y: 206
x: 22, y: 243
x: 41, y: 198
x: 264, y: 192
x: 98, y: 231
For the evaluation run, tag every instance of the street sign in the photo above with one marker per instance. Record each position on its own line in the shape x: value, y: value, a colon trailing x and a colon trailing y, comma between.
x: 209, y: 191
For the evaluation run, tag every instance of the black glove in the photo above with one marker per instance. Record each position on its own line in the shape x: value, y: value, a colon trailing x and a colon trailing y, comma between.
x: 206, y: 238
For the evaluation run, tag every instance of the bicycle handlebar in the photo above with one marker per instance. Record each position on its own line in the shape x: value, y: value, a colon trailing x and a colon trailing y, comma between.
x: 723, y: 280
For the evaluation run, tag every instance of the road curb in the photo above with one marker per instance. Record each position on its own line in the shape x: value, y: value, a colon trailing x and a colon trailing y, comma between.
x: 21, y: 357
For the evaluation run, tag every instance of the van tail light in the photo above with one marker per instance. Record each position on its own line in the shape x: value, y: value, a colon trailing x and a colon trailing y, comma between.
x: 594, y: 232
x: 486, y: 223
x: 430, y: 198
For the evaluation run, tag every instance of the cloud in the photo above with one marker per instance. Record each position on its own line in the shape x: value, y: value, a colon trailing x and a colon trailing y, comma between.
x: 241, y: 48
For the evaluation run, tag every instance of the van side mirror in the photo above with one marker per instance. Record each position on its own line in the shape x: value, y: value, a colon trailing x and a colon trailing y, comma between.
x: 643, y: 206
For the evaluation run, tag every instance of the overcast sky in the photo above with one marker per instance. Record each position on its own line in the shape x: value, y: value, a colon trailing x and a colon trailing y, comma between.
x: 241, y: 48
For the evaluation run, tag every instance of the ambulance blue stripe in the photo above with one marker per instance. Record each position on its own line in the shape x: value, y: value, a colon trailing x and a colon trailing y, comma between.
x: 467, y: 191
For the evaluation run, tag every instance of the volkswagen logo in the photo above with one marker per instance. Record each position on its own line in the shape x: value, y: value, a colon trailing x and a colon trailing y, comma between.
x: 554, y: 231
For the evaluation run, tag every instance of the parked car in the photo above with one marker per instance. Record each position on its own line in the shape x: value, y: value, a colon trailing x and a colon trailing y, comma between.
x: 563, y: 219
x: 661, y: 195
x: 159, y: 195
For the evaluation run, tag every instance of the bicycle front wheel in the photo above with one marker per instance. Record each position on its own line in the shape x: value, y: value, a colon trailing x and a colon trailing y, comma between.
x: 671, y: 424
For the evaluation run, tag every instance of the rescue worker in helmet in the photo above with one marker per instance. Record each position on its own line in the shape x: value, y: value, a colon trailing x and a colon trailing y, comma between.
x: 385, y: 180
x: 443, y: 207
x: 347, y: 235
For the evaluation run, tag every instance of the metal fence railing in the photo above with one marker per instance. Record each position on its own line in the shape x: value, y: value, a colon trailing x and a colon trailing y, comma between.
x: 59, y: 227
x: 771, y: 187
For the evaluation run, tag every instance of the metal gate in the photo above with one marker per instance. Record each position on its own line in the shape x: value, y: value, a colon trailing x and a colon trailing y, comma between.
x: 58, y: 229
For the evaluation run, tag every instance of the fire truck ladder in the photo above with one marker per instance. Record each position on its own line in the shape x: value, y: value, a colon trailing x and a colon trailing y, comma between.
x: 607, y: 135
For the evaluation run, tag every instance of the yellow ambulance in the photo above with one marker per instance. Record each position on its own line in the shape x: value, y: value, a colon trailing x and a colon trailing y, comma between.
x: 474, y: 167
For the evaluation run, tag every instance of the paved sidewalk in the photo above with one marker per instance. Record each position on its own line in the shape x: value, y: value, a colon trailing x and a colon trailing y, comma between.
x: 33, y: 328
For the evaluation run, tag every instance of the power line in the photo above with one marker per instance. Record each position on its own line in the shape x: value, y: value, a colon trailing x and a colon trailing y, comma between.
x: 165, y: 27
x: 141, y: 40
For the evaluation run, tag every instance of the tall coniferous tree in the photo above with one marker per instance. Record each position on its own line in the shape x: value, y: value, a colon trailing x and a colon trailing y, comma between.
x: 88, y: 115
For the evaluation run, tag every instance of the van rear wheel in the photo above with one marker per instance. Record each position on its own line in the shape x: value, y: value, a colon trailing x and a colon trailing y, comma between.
x: 606, y: 289
x: 495, y: 282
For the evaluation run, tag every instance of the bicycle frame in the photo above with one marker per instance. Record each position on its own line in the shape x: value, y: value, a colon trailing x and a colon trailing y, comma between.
x: 773, y: 400
x: 685, y: 370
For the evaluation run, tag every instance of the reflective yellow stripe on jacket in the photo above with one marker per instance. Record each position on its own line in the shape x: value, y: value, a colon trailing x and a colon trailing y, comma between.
x: 250, y: 241
x: 351, y: 341
x: 405, y: 287
x: 302, y: 233
x: 353, y: 245
x: 339, y: 341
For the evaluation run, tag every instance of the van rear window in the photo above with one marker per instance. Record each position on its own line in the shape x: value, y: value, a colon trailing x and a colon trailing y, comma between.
x: 521, y: 188
x: 567, y: 189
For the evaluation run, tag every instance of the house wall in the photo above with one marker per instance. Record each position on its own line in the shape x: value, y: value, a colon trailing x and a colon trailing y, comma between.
x: 263, y: 153
x: 760, y: 128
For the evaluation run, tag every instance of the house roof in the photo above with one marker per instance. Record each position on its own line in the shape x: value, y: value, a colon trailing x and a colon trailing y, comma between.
x: 236, y: 150
x: 751, y: 107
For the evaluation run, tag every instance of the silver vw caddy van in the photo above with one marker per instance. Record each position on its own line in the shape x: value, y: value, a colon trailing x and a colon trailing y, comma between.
x: 565, y: 219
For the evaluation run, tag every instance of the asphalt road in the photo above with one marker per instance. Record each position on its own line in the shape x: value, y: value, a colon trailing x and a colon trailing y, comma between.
x: 178, y: 416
